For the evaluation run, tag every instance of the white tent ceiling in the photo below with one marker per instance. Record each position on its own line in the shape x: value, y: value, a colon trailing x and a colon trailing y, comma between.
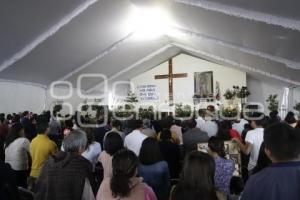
x: 45, y: 41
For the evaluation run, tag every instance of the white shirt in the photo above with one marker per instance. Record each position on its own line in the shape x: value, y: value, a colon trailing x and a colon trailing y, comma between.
x: 134, y: 140
x: 16, y: 154
x: 210, y: 127
x: 240, y: 126
x: 200, y: 122
x: 92, y: 153
x: 149, y: 132
x: 87, y: 193
x: 254, y: 137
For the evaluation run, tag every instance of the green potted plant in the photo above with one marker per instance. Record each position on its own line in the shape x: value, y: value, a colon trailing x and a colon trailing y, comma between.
x: 57, y: 108
x: 241, y: 93
x: 229, y: 94
x: 297, y: 108
x: 127, y: 110
x: 273, y: 102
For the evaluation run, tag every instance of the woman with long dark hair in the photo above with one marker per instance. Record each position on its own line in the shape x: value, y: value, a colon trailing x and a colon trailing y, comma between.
x: 93, y: 148
x: 124, y: 184
x: 197, y: 178
x: 224, y: 167
x: 112, y: 144
x: 17, y: 153
x: 154, y: 169
x: 171, y: 153
x: 226, y: 132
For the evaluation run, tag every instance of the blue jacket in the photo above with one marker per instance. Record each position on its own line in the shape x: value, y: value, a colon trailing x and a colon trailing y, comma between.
x: 157, y: 176
x: 280, y: 181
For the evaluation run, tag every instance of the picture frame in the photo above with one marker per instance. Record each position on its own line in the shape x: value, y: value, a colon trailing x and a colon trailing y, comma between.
x: 204, y: 84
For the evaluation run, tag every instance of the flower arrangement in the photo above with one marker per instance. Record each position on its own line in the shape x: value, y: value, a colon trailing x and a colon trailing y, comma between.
x: 131, y: 98
x: 123, y: 112
x: 273, y: 102
x: 85, y: 107
x: 146, y: 113
x: 183, y: 110
x: 100, y: 110
x: 229, y: 94
x: 242, y: 92
x: 229, y: 111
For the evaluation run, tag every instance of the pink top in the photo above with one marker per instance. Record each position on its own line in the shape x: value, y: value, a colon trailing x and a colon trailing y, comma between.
x: 106, y: 161
x: 138, y: 191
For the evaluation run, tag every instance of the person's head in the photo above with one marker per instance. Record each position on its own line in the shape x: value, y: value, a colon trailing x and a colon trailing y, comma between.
x: 146, y: 123
x: 198, y: 169
x: 166, y: 135
x: 197, y: 178
x: 157, y: 126
x: 124, y: 165
x: 177, y: 122
x: 75, y: 142
x: 257, y: 121
x: 16, y: 118
x: 150, y: 152
x: 290, y: 118
x: 216, y: 146
x: 116, y: 124
x: 25, y: 114
x: 69, y: 124
x: 33, y: 119
x: 224, y: 130
x: 236, y: 185
x: 42, y: 125
x: 113, y: 143
x: 2, y: 117
x: 137, y: 124
x: 89, y: 136
x: 282, y: 142
x: 15, y: 132
x: 266, y: 121
x: 48, y: 114
x: 167, y: 122
x: 9, y: 117
x: 191, y: 123
x: 274, y: 116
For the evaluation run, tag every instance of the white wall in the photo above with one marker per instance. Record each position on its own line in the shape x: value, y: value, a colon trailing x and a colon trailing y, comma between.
x: 296, y: 95
x: 184, y: 87
x: 261, y: 88
x: 74, y: 100
x: 18, y: 97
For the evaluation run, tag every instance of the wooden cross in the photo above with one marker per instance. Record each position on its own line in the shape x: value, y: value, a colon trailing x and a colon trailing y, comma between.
x: 170, y: 76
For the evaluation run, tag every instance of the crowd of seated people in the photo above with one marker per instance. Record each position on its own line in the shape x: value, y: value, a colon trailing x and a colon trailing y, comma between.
x: 53, y: 159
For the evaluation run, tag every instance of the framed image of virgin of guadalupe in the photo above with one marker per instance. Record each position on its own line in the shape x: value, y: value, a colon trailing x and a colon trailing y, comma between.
x: 204, y: 84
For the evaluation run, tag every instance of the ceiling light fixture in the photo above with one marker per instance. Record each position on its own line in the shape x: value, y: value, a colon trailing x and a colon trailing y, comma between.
x: 149, y: 23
